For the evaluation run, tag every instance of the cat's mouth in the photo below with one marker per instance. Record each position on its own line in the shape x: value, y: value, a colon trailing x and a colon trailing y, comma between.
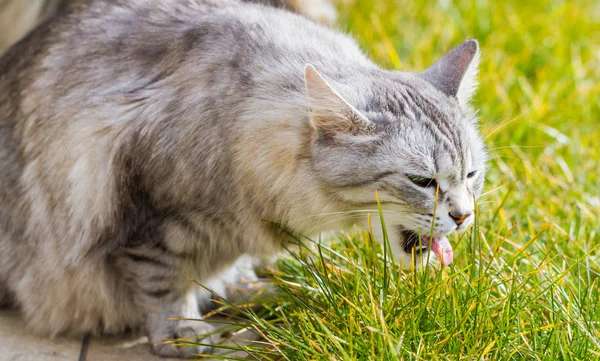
x: 439, y: 244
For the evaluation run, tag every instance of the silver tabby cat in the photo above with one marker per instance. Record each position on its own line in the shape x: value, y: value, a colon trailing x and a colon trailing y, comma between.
x: 142, y: 141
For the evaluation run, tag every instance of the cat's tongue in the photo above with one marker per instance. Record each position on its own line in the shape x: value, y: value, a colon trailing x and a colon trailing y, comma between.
x: 443, y: 249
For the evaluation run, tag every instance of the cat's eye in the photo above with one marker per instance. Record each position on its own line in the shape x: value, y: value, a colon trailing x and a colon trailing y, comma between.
x: 423, y: 182
x: 472, y: 174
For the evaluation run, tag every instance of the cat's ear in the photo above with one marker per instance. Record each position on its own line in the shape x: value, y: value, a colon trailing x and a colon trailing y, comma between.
x: 330, y: 113
x: 456, y: 73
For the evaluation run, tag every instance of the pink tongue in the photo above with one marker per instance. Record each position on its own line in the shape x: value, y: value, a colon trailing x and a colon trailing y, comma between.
x: 443, y: 249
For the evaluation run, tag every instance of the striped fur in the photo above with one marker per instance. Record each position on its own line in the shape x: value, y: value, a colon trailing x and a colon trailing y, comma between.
x: 143, y: 141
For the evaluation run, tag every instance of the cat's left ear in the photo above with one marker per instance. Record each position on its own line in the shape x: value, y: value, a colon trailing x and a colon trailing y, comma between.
x: 330, y: 113
x: 455, y: 74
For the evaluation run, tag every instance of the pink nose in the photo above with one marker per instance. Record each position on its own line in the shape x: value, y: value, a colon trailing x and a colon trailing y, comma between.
x: 459, y: 218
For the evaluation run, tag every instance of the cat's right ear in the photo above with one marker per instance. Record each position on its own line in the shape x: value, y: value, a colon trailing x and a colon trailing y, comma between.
x: 330, y: 113
x: 456, y: 72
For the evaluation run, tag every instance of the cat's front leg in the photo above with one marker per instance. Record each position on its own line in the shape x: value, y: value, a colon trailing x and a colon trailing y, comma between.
x: 159, y: 327
x: 153, y: 280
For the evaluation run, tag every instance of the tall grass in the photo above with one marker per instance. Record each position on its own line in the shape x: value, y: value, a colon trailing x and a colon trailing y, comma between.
x: 524, y: 283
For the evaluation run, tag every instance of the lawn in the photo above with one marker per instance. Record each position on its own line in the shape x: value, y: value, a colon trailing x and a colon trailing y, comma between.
x: 524, y: 284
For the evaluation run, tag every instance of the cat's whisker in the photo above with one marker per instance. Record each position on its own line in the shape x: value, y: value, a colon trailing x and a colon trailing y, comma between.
x: 352, y: 216
x: 324, y: 222
x: 336, y: 220
x: 497, y: 156
x: 486, y: 136
x: 359, y: 211
x: 517, y: 147
x: 491, y: 191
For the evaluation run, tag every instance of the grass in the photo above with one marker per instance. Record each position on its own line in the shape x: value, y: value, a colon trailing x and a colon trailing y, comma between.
x: 524, y: 284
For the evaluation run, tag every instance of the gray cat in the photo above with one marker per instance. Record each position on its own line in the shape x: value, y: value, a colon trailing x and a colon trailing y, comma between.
x: 144, y: 141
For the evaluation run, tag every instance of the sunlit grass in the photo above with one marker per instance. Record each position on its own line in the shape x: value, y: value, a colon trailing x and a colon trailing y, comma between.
x: 524, y: 283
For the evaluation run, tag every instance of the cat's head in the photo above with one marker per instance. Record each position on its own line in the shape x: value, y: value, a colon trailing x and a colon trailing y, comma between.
x: 406, y: 136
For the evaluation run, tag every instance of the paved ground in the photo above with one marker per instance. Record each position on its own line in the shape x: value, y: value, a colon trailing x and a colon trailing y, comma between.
x: 17, y: 344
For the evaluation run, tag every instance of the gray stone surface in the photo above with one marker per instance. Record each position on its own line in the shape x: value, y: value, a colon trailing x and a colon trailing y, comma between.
x: 18, y: 344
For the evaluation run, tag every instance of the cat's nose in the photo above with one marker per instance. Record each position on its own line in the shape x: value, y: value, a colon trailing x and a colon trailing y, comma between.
x: 460, y: 217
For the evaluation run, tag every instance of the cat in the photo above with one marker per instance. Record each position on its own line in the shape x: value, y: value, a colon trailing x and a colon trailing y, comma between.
x: 19, y: 17
x: 142, y: 141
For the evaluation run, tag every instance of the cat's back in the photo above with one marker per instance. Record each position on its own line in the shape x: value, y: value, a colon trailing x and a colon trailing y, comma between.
x: 118, y: 45
x: 109, y: 55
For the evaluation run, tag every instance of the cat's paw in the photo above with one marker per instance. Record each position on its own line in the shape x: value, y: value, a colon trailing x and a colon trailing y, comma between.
x: 188, y: 332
